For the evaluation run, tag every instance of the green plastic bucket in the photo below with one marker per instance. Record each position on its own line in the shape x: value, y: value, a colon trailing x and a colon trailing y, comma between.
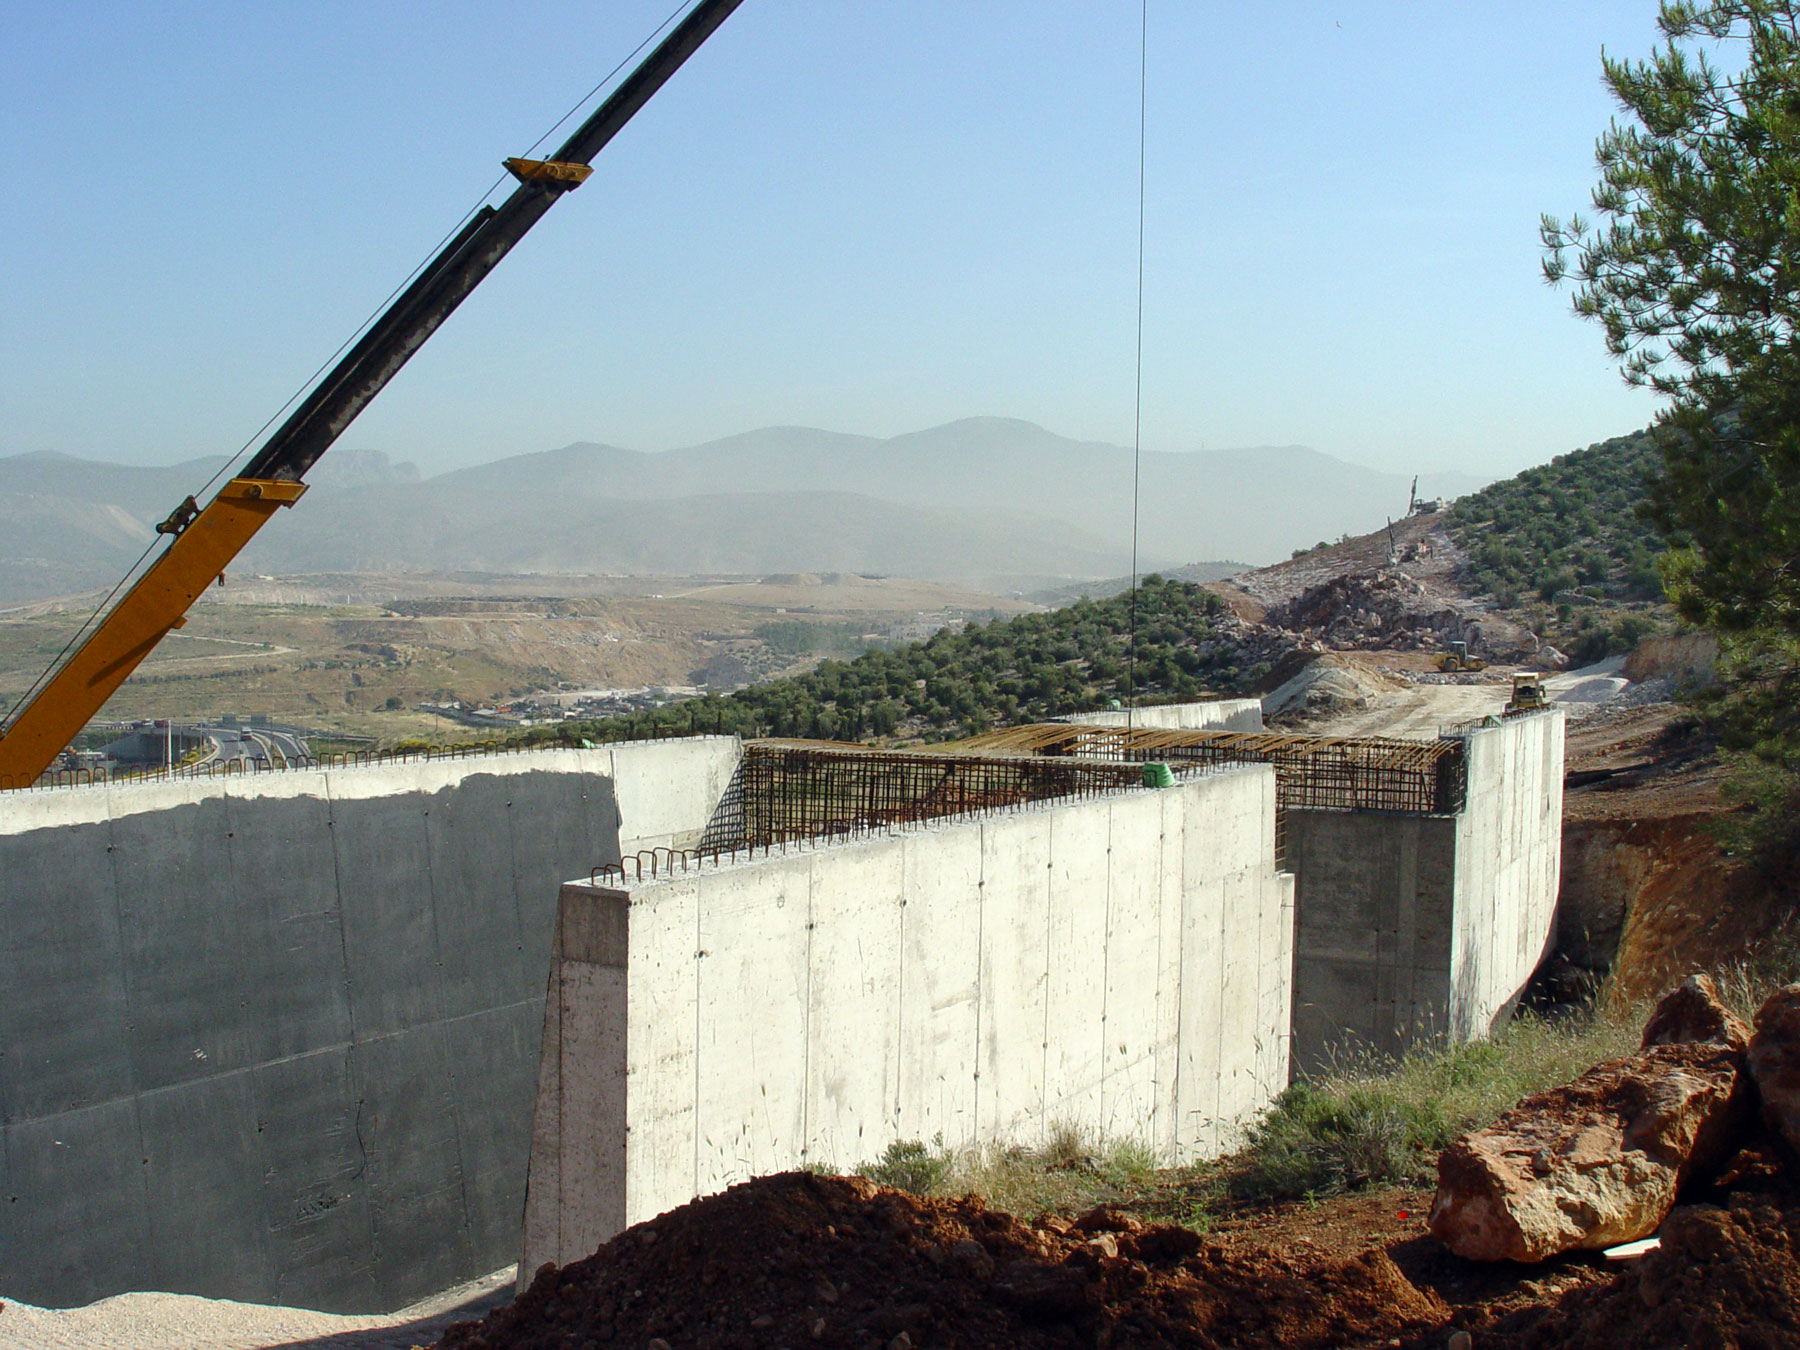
x: 1158, y: 776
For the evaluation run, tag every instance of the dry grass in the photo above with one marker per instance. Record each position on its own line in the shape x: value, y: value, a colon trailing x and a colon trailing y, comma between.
x: 1071, y: 1171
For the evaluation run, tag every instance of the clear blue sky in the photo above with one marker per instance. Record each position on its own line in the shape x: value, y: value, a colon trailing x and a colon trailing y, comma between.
x: 871, y: 217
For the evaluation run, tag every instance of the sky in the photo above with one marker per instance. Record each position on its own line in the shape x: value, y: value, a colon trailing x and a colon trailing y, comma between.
x: 870, y: 217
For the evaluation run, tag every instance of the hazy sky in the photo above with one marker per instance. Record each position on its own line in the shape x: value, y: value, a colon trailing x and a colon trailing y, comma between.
x: 867, y: 216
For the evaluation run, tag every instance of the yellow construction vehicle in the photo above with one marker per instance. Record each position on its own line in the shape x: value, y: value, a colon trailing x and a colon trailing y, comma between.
x: 203, y: 539
x: 1456, y: 658
x: 1527, y: 692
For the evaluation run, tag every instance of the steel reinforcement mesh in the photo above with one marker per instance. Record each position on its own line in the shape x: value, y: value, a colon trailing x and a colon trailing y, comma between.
x: 786, y: 792
x: 1311, y: 772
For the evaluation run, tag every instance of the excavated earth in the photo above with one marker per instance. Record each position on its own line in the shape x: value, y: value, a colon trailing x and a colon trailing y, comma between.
x: 804, y: 1260
x: 800, y: 1259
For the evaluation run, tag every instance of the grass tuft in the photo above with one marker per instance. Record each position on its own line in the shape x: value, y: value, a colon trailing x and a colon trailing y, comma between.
x: 1371, y: 1123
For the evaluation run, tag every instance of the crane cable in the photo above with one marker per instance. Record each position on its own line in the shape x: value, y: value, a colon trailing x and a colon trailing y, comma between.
x: 1137, y: 416
x: 306, y: 384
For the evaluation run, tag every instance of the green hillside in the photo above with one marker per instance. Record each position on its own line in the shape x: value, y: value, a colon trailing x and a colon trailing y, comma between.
x: 1568, y: 528
x: 957, y: 683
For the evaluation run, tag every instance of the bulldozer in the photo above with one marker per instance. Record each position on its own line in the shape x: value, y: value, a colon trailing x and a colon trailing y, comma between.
x: 1527, y: 693
x: 1456, y: 658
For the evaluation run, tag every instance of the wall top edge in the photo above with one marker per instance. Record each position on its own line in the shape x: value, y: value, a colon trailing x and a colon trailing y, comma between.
x: 670, y: 868
x: 39, y: 808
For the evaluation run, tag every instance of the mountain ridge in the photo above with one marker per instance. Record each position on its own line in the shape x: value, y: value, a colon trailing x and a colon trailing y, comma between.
x: 990, y: 501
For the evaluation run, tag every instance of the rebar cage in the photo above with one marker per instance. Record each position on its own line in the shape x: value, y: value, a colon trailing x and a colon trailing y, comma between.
x: 1311, y: 772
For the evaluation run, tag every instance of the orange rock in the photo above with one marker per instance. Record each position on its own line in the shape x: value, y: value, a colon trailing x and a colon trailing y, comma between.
x: 1693, y: 1011
x: 1599, y: 1161
x: 1775, y: 1061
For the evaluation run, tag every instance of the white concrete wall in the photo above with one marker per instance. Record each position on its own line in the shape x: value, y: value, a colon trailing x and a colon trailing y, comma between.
x: 1119, y: 964
x: 667, y: 790
x: 1508, y: 860
x: 1222, y: 714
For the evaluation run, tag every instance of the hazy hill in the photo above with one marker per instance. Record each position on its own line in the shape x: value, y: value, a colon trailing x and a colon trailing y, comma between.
x: 71, y: 524
x: 990, y: 501
x: 1257, y: 504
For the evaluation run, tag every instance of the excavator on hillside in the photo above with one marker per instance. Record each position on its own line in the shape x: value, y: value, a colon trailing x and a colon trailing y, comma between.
x: 202, y: 540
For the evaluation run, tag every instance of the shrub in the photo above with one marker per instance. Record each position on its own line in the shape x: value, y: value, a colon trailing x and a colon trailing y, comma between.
x: 908, y: 1165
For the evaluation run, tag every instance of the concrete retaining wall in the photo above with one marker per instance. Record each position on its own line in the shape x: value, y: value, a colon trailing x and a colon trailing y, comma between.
x: 274, y: 1038
x: 1221, y: 714
x: 1509, y: 859
x: 1411, y: 926
x: 1120, y: 964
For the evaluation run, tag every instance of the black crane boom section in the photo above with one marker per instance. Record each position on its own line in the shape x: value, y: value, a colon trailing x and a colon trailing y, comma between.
x: 449, y: 278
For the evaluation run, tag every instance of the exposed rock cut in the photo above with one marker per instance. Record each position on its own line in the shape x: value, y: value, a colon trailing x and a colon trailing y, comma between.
x: 1695, y: 1013
x: 1775, y: 1061
x: 1599, y: 1161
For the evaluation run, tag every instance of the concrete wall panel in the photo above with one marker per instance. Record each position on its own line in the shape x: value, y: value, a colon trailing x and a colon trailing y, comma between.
x: 415, y: 1174
x: 1171, y: 922
x: 1132, y: 928
x: 64, y: 1019
x: 1015, y: 923
x: 344, y: 968
x: 1202, y: 968
x: 312, y: 1157
x: 754, y: 941
x: 667, y: 789
x: 854, y: 1034
x: 200, y: 1180
x: 292, y: 942
x: 1220, y: 714
x: 940, y: 983
x: 663, y: 1036
x: 1075, y: 958
x: 75, y: 1213
x: 475, y: 914
x: 1509, y: 854
x: 190, y: 991
x: 390, y: 934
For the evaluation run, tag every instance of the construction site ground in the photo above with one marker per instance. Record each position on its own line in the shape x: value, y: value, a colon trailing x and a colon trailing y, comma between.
x: 803, y: 1260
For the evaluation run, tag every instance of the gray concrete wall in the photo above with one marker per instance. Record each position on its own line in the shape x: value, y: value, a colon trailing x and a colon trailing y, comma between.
x: 274, y: 1038
x: 1373, y: 910
x: 1219, y: 714
x: 1119, y: 964
x: 1410, y: 927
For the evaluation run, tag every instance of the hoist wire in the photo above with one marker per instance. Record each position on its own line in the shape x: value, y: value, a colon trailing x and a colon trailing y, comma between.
x: 131, y: 572
x: 1137, y: 416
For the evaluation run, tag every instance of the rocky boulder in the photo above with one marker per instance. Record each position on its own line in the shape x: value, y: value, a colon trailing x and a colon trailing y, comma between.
x: 1694, y: 1012
x: 1774, y: 1058
x: 1600, y: 1161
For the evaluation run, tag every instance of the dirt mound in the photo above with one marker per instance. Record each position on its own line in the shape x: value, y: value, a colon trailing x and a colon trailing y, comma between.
x: 798, y: 1259
x: 1330, y: 684
x: 1725, y: 1278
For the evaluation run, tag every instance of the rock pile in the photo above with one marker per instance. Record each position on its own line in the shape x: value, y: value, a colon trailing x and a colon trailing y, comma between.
x: 1602, y: 1160
x: 1366, y: 611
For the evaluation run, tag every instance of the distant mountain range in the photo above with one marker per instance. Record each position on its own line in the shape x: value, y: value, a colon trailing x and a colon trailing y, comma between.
x: 993, y: 502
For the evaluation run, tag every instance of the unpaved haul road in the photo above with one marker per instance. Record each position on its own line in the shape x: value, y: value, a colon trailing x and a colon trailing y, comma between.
x: 1416, y: 713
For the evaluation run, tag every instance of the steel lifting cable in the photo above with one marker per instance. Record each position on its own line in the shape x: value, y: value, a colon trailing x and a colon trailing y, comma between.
x: 1137, y: 416
x: 327, y: 363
